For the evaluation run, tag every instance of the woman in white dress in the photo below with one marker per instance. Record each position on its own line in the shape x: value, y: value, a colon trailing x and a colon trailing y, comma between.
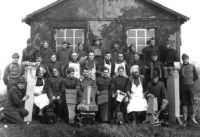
x: 137, y: 105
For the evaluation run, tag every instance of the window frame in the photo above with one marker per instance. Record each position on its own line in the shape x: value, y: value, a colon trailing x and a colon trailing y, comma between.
x: 137, y: 37
x: 73, y: 37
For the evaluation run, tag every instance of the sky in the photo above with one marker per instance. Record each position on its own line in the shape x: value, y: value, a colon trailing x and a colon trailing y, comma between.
x: 14, y: 32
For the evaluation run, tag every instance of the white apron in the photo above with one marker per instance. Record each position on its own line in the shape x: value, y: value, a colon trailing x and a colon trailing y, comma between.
x: 92, y: 72
x: 137, y: 101
x: 42, y: 100
x: 76, y: 67
x: 108, y: 66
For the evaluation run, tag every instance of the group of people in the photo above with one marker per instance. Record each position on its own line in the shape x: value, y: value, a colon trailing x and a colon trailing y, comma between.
x: 128, y: 77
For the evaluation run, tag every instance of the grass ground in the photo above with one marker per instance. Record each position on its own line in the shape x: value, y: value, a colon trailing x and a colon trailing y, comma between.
x: 101, y: 130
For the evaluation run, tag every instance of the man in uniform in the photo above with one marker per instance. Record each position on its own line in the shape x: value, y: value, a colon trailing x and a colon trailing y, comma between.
x: 46, y: 53
x: 53, y: 64
x: 55, y: 91
x: 63, y: 54
x: 147, y: 51
x: 188, y: 74
x: 14, y: 110
x: 13, y: 71
x: 29, y: 53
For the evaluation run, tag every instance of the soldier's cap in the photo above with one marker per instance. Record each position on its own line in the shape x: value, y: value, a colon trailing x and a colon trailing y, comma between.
x: 21, y: 80
x: 154, y: 54
x: 69, y: 70
x: 15, y: 55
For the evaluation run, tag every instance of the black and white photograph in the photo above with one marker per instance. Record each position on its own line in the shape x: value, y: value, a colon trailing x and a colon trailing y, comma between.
x: 99, y: 68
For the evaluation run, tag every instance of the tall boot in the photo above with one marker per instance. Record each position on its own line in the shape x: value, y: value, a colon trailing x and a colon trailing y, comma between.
x: 192, y: 114
x: 185, y: 113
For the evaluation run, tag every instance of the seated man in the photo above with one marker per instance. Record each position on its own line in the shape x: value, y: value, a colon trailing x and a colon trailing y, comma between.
x: 14, y: 110
x: 119, y: 87
x: 156, y: 88
x: 55, y: 90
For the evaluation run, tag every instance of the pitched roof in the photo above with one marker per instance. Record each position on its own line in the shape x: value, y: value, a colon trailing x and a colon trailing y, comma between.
x: 30, y: 16
x: 182, y: 17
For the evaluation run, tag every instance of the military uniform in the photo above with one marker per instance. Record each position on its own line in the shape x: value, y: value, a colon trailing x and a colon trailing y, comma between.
x: 147, y: 53
x: 119, y: 83
x: 63, y: 55
x: 46, y: 55
x: 53, y: 65
x: 14, y: 110
x: 55, y: 88
x: 11, y: 74
x: 29, y: 54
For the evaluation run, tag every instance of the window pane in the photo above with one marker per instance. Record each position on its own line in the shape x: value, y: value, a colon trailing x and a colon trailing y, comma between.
x: 59, y: 41
x: 131, y: 41
x: 140, y: 48
x: 69, y: 33
x: 150, y: 33
x: 141, y: 33
x: 78, y: 40
x: 141, y: 41
x: 60, y: 33
x: 131, y: 33
x: 69, y: 40
x: 79, y: 33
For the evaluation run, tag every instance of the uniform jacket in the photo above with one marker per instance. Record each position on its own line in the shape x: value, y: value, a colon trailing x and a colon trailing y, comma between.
x: 158, y: 90
x: 188, y: 74
x: 147, y: 53
x: 46, y: 55
x: 119, y: 83
x: 63, y: 55
x: 13, y: 71
x: 29, y: 54
x: 55, y: 86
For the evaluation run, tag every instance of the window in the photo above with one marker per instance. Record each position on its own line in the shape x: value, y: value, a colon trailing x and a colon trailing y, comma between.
x: 139, y: 37
x: 72, y: 36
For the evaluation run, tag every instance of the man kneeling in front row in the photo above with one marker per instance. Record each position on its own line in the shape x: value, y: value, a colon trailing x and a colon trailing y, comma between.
x: 14, y: 110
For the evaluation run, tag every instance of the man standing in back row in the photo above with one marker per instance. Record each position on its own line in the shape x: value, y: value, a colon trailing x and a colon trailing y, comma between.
x: 12, y: 72
x: 188, y: 74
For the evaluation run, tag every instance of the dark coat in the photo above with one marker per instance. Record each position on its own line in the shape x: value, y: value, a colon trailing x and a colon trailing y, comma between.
x: 170, y: 56
x: 29, y: 54
x: 147, y: 53
x: 63, y: 55
x: 14, y: 110
x: 55, y: 86
x: 158, y: 90
x: 46, y: 55
x: 53, y: 65
x: 119, y: 83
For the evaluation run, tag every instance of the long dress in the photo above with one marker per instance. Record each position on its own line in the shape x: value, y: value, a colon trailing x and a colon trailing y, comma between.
x: 137, y: 102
